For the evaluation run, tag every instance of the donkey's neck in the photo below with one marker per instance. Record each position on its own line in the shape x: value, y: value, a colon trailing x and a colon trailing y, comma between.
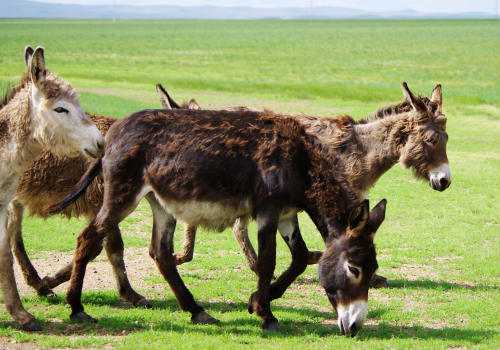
x: 17, y: 142
x: 378, y: 144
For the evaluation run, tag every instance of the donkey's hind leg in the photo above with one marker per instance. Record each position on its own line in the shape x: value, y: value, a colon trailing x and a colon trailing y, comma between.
x: 240, y: 231
x: 114, y: 250
x: 88, y: 244
x: 187, y: 247
x: 14, y: 231
x: 8, y: 281
x: 161, y: 250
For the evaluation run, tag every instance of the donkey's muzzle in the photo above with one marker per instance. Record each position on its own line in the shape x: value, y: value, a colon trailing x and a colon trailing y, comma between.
x: 351, y: 317
x: 440, y: 177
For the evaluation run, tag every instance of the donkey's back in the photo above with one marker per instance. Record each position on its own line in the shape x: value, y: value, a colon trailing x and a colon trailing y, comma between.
x: 234, y: 160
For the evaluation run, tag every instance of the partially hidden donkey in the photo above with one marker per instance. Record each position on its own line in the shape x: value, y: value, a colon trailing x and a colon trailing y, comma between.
x: 412, y: 133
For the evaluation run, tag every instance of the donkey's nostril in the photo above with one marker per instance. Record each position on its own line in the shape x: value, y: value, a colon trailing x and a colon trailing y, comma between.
x: 354, y: 329
x: 443, y: 182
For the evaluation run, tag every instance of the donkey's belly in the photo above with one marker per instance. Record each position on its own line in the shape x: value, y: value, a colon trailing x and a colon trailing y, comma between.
x: 214, y: 215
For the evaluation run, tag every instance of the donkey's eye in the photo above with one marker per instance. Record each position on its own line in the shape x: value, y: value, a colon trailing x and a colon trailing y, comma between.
x: 354, y: 270
x: 61, y: 110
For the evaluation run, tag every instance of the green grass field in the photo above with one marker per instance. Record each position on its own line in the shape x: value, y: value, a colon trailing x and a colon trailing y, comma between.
x: 441, y: 251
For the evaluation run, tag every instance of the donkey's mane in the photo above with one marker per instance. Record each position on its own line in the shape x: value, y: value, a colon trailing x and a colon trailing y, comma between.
x: 12, y: 90
x: 394, y: 109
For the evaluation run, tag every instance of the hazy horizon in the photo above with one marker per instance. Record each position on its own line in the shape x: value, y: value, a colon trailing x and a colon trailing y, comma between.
x: 427, y: 6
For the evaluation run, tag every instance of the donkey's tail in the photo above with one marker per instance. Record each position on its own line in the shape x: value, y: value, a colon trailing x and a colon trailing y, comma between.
x: 79, y: 188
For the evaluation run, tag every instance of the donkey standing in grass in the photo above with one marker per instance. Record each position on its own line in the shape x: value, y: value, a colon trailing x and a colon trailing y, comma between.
x: 42, y: 112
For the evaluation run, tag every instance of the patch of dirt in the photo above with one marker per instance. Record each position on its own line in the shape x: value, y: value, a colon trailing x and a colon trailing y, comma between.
x: 10, y: 344
x: 413, y: 272
x: 99, y: 272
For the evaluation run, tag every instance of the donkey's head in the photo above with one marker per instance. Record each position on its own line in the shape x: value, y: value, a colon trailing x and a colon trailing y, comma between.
x: 348, y: 264
x: 59, y: 122
x: 425, y: 148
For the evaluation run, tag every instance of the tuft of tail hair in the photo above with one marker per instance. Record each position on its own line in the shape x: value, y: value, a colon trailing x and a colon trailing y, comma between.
x: 79, y: 188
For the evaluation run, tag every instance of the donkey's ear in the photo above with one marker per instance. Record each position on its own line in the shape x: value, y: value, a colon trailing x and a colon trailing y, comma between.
x: 415, y: 101
x: 377, y: 216
x: 28, y: 53
x: 163, y: 96
x: 358, y: 218
x: 437, y: 97
x: 192, y: 104
x: 37, y: 66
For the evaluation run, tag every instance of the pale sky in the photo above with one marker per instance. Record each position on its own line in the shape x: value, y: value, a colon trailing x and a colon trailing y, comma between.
x: 429, y: 6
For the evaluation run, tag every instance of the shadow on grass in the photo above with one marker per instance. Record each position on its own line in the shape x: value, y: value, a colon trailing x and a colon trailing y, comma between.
x: 387, y: 331
x: 437, y: 285
x: 250, y: 326
x: 170, y: 304
x: 121, y: 325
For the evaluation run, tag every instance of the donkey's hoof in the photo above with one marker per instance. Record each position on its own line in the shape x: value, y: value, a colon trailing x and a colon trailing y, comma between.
x: 378, y: 282
x: 252, y: 303
x: 270, y: 325
x: 143, y: 303
x: 203, y: 318
x: 31, y: 326
x: 82, y: 317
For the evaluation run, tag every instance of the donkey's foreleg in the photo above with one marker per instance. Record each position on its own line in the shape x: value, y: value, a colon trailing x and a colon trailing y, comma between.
x: 260, y: 301
x: 161, y: 250
x: 89, y: 245
x: 289, y: 230
x: 8, y: 281
x: 14, y: 231
x: 187, y: 247
x: 240, y: 231
x: 114, y: 250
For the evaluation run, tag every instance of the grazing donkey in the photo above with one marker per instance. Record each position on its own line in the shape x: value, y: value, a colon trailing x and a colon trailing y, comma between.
x: 210, y: 167
x: 423, y: 149
x: 45, y: 183
x: 42, y: 112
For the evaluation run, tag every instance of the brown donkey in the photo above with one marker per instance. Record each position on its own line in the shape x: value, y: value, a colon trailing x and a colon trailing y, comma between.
x: 373, y: 154
x: 45, y: 183
x: 42, y: 112
x: 210, y: 167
